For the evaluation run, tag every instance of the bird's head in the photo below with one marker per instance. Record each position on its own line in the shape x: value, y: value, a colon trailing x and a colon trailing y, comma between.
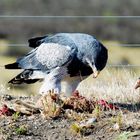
x: 97, y: 59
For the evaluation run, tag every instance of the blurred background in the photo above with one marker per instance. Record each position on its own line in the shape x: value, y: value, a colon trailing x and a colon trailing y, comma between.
x: 119, y: 34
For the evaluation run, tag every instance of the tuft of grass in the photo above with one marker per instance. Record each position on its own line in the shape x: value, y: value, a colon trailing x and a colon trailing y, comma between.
x: 81, y: 131
x: 15, y: 116
x: 117, y: 119
x: 126, y: 135
x: 97, y: 111
x: 21, y: 130
x: 76, y: 128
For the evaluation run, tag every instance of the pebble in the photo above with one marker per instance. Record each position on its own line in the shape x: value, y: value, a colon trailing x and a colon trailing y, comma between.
x: 91, y: 120
x: 88, y: 122
x: 116, y: 126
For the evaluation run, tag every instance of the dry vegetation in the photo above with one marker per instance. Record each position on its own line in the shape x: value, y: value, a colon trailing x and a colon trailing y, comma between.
x: 73, y: 118
x: 113, y: 85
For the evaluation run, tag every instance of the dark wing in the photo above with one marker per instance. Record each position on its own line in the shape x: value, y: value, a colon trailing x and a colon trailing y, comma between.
x: 36, y: 41
x: 59, y: 38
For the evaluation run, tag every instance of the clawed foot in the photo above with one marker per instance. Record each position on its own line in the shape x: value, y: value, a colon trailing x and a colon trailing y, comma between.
x: 45, y: 92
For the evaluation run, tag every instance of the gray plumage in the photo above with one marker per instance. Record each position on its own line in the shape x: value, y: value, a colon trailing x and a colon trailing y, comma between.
x: 57, y: 56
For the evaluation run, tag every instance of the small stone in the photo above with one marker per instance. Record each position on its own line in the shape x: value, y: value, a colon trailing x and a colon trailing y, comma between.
x: 91, y: 120
x: 116, y: 126
x: 88, y: 123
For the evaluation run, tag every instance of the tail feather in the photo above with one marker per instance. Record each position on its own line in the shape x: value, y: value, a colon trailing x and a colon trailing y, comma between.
x: 12, y: 66
x: 23, y: 77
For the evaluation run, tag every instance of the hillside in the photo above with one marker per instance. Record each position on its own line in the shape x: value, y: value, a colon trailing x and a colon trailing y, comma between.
x: 124, y: 30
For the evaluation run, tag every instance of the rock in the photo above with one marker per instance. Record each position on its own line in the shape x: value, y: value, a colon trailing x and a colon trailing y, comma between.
x: 88, y: 123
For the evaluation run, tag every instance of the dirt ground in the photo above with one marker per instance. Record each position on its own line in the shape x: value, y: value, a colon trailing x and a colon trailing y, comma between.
x: 119, y: 124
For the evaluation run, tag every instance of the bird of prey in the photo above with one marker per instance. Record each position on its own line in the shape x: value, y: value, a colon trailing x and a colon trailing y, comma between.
x: 58, y: 56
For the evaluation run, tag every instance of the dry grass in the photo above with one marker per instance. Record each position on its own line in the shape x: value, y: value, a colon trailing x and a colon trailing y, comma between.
x: 115, y: 85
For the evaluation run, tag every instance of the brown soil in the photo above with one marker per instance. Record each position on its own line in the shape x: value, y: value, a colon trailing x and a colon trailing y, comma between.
x: 109, y: 125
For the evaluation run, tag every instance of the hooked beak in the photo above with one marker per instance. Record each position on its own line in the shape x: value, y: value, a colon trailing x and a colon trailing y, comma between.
x: 94, y: 69
x: 95, y: 72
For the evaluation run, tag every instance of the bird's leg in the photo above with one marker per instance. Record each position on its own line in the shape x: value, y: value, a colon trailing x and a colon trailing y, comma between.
x: 52, y: 81
x: 69, y: 85
x: 50, y: 85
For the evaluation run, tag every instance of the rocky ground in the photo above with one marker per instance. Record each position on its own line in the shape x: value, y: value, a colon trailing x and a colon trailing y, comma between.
x: 121, y: 122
